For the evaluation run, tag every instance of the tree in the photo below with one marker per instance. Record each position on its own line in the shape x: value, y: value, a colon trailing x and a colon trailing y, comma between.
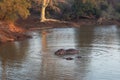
x: 51, y: 4
x: 10, y: 10
x: 44, y: 5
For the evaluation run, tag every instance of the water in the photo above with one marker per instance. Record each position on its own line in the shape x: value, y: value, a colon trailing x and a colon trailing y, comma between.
x: 34, y: 59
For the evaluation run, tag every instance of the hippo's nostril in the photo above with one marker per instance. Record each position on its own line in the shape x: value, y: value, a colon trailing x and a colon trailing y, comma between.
x: 69, y: 58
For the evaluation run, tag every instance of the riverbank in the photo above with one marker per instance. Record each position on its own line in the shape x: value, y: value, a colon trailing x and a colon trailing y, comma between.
x: 33, y: 23
x: 10, y: 32
x: 13, y: 32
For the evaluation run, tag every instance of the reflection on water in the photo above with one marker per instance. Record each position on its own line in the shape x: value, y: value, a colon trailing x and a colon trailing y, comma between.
x: 34, y: 59
x: 44, y: 40
x: 61, y: 38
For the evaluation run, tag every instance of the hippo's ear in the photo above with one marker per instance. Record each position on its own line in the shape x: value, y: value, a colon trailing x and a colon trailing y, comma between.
x: 55, y: 53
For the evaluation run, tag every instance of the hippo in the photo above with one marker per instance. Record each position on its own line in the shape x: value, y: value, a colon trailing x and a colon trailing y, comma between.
x: 60, y: 52
x: 66, y: 52
x: 72, y: 51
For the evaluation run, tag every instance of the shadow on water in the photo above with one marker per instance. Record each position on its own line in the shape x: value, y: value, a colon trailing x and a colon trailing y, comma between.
x: 84, y: 40
x: 20, y: 60
x: 85, y: 36
x: 11, y: 56
x: 118, y: 32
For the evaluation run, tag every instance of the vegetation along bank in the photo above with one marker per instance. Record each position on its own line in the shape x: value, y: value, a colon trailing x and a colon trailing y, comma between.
x: 17, y: 16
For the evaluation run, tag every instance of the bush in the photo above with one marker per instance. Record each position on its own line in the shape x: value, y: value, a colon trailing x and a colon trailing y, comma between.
x: 10, y: 10
x: 67, y: 14
x: 85, y: 9
x: 104, y: 6
x: 118, y: 8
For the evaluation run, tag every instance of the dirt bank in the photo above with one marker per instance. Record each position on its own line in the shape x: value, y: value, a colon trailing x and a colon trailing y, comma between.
x: 33, y: 22
x: 10, y: 32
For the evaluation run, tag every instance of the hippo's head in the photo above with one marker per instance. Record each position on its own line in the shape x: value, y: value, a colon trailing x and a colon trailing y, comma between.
x: 60, y: 52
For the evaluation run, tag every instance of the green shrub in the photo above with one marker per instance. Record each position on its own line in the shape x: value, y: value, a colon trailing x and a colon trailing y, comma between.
x: 104, y: 6
x: 85, y: 9
x: 10, y: 10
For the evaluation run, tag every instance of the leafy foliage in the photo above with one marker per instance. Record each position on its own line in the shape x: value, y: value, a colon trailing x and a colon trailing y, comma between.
x: 104, y: 6
x: 82, y: 9
x: 118, y: 8
x: 12, y: 9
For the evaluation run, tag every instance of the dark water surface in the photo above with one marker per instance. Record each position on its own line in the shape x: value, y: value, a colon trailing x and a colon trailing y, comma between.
x: 34, y: 59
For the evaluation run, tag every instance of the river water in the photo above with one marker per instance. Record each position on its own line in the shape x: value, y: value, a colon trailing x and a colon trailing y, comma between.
x: 34, y: 59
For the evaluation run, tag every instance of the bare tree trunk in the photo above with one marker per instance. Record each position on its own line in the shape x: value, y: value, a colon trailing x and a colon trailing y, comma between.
x: 44, y: 6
